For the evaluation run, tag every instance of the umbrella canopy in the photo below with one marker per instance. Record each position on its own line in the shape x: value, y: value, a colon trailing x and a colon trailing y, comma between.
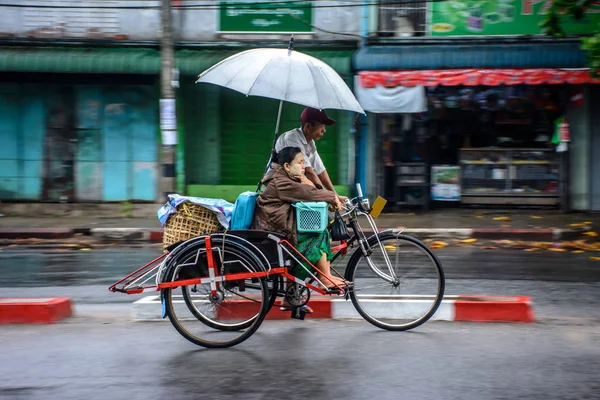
x: 285, y: 75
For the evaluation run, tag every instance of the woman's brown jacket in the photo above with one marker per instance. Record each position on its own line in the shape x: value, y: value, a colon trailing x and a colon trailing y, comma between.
x: 274, y: 211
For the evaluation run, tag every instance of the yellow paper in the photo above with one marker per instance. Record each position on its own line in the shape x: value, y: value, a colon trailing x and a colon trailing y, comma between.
x: 378, y: 205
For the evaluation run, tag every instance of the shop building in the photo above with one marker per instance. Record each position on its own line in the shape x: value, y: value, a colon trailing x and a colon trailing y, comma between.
x: 79, y: 99
x: 478, y: 119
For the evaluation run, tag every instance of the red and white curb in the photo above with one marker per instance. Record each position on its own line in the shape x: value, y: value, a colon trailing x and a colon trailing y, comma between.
x: 452, y: 308
x: 34, y: 310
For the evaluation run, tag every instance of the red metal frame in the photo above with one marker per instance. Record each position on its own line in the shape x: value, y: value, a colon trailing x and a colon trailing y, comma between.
x: 135, y: 275
x: 214, y: 278
x: 283, y: 241
x: 213, y: 273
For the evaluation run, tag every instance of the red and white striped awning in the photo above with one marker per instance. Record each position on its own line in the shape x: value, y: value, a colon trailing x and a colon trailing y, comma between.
x: 475, y: 77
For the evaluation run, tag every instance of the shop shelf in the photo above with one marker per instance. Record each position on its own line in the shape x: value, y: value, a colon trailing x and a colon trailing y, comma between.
x: 515, y: 168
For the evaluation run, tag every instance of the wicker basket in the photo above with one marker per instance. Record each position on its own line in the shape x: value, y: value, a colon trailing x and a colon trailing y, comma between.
x: 190, y: 220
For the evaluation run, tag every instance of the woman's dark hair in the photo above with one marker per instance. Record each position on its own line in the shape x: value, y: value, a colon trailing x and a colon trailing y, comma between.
x: 287, y: 155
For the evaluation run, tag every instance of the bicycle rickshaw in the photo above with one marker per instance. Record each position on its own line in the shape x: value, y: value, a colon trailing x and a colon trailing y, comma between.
x: 217, y: 288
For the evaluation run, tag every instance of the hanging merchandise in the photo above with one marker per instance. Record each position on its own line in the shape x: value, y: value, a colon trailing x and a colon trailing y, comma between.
x: 562, y: 135
x: 577, y: 97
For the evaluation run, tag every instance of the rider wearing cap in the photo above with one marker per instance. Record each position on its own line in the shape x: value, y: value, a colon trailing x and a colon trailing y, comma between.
x: 313, y: 128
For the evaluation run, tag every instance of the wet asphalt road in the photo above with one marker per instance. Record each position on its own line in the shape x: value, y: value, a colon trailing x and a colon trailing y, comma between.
x: 108, y: 358
x: 101, y: 354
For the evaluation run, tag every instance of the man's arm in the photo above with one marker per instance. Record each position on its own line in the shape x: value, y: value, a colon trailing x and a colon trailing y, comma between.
x: 311, y: 174
x: 324, y: 177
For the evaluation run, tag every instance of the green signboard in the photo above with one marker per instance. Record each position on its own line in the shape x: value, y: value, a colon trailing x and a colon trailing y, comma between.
x: 501, y: 17
x: 265, y: 17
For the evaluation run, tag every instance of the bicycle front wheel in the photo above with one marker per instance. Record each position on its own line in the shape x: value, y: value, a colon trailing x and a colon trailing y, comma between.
x: 399, y: 286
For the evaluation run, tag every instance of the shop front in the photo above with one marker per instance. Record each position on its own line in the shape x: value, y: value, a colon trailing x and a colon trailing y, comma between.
x: 487, y: 135
x: 81, y: 124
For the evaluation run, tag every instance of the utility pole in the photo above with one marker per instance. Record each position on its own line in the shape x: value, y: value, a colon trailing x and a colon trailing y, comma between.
x: 168, y: 119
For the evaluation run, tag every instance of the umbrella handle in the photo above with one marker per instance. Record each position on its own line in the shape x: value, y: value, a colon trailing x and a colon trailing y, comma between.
x: 276, y: 133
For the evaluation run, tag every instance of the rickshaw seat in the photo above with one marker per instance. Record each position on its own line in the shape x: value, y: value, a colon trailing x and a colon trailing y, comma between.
x: 262, y: 241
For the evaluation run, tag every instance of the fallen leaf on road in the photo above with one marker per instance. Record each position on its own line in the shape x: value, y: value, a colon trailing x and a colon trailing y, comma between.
x: 578, y: 251
x: 532, y: 249
x: 469, y: 241
x: 595, y: 258
x: 578, y: 224
x: 428, y: 240
x: 587, y: 223
x: 592, y: 234
x: 502, y: 219
x: 582, y: 245
x: 489, y: 247
x: 87, y: 249
x: 479, y: 216
x: 556, y: 249
x: 536, y: 217
x: 438, y: 245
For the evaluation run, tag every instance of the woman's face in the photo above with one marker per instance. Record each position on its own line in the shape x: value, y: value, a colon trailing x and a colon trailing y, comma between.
x: 296, y: 167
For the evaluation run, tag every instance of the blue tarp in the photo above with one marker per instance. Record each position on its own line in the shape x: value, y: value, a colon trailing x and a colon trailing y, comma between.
x: 223, y: 209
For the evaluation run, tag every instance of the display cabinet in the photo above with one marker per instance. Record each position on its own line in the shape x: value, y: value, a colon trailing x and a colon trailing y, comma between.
x: 510, y: 176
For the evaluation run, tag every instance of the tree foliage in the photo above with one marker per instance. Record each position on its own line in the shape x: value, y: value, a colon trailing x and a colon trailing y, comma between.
x: 561, y: 9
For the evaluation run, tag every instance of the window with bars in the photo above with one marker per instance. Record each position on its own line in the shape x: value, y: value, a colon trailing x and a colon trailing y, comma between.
x: 402, y: 18
x: 71, y: 22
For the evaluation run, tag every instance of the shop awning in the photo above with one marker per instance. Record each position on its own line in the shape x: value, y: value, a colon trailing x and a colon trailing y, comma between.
x: 464, y: 54
x: 474, y: 77
x: 400, y: 99
x: 130, y: 60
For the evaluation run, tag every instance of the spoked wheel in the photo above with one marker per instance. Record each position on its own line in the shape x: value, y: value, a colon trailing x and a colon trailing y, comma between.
x: 204, y: 314
x: 399, y: 286
x: 225, y: 314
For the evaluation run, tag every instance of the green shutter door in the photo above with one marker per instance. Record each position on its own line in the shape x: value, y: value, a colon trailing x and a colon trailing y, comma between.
x: 247, y: 128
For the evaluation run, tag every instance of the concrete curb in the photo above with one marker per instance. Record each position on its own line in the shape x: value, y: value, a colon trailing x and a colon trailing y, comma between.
x: 453, y: 308
x: 34, y: 311
x: 37, y: 233
x: 151, y: 235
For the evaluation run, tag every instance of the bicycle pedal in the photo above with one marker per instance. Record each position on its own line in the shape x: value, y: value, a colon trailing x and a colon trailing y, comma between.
x: 298, y: 313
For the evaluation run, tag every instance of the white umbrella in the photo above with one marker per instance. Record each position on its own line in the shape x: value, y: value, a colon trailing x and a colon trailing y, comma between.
x: 285, y: 75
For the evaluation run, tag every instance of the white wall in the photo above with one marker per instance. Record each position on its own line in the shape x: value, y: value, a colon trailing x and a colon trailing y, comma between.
x: 189, y: 24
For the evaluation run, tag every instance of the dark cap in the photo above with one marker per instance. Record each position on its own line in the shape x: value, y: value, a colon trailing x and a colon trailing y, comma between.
x: 313, y: 115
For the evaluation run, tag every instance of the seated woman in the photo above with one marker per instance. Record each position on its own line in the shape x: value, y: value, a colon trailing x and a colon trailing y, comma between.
x: 286, y: 184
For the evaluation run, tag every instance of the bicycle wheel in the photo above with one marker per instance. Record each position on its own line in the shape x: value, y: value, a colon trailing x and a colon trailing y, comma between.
x: 274, y: 283
x: 399, y: 295
x: 193, y: 292
x: 231, y: 314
